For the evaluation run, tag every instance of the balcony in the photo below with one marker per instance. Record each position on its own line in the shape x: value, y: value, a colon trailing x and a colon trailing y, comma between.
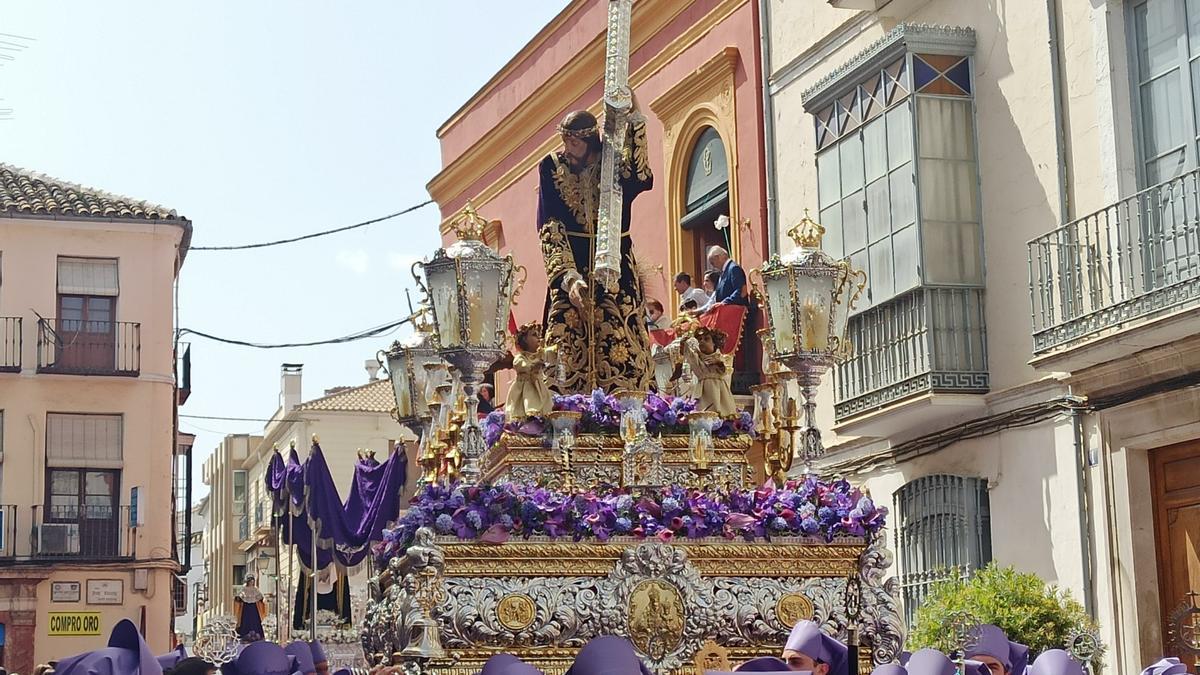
x: 10, y: 344
x: 929, y: 341
x: 72, y: 347
x: 1117, y: 271
x: 76, y: 534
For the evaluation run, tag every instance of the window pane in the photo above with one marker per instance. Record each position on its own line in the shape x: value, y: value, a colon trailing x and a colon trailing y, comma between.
x: 1193, y: 18
x: 881, y: 273
x: 1157, y: 28
x: 831, y: 220
x: 899, y: 133
x: 948, y: 190
x: 1163, y: 109
x: 854, y: 222
x: 875, y: 149
x: 946, y: 131
x: 70, y: 309
x: 904, y: 253
x: 1165, y: 168
x: 903, y: 197
x: 99, y: 309
x: 952, y: 253
x: 99, y: 483
x: 64, y: 483
x: 829, y: 181
x: 62, y: 506
x: 878, y: 210
x: 851, y: 155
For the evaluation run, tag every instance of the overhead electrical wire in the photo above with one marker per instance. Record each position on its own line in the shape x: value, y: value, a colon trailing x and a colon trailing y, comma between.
x: 314, y: 235
x: 361, y: 335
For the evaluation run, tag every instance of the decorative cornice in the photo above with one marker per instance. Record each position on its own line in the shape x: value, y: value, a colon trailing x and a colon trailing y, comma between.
x: 913, y: 37
x: 720, y: 66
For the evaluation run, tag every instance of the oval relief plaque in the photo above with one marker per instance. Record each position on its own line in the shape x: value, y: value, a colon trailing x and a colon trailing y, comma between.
x: 516, y: 611
x: 792, y: 608
x: 656, y: 618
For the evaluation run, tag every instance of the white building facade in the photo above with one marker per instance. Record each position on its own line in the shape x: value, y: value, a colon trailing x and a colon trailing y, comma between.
x: 1018, y: 180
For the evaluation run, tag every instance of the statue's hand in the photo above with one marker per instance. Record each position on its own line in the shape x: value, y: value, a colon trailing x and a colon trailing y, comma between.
x: 575, y: 294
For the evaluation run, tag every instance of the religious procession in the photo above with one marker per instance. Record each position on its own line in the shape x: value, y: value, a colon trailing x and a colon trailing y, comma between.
x: 840, y: 337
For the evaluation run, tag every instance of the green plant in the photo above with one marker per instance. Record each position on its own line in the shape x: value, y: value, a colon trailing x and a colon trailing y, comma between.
x: 1032, y: 612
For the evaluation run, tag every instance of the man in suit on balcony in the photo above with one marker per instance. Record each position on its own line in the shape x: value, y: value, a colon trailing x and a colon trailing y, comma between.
x: 731, y: 286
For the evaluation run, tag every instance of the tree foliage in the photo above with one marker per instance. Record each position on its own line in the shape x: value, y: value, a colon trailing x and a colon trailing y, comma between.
x: 1032, y: 612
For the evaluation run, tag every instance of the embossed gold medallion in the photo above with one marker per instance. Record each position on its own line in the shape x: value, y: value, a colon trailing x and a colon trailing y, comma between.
x: 516, y: 611
x: 791, y: 608
x: 656, y: 618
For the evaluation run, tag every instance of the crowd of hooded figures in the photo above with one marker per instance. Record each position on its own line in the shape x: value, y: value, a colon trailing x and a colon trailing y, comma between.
x: 807, y: 650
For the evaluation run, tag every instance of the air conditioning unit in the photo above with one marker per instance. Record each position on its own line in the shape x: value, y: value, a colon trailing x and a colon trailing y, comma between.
x: 58, y: 539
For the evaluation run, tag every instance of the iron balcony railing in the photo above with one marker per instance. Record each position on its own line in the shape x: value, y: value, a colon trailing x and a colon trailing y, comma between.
x: 10, y: 344
x: 930, y: 339
x: 1131, y: 261
x: 75, y: 347
x: 79, y: 533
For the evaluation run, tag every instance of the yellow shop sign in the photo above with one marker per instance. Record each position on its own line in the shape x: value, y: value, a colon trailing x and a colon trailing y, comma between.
x: 74, y: 623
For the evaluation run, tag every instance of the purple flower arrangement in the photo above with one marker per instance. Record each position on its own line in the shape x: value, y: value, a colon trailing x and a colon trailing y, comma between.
x: 602, y: 414
x: 801, y: 508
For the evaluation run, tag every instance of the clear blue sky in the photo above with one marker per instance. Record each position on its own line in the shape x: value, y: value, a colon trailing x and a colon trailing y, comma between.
x: 257, y: 121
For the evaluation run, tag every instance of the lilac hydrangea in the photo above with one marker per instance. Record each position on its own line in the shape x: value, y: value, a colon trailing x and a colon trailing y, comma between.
x: 806, y: 507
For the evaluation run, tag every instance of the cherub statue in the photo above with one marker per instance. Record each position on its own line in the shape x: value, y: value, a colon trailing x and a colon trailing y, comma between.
x: 702, y: 352
x: 530, y: 393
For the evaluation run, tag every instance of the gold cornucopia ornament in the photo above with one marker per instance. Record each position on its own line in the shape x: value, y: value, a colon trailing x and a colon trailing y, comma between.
x: 597, y: 519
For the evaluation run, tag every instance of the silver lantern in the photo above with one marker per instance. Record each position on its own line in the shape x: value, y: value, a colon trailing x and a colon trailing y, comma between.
x: 470, y: 288
x: 809, y: 297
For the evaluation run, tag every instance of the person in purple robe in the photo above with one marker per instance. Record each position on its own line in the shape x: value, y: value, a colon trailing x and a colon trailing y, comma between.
x: 1055, y: 662
x: 608, y: 655
x: 192, y: 665
x: 302, y: 653
x: 261, y: 658
x: 1167, y: 666
x: 249, y: 608
x: 126, y: 654
x: 1001, y: 655
x: 764, y: 664
x: 890, y: 669
x: 809, y: 649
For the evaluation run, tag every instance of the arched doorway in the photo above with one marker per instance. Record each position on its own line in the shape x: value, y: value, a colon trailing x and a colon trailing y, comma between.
x: 706, y: 198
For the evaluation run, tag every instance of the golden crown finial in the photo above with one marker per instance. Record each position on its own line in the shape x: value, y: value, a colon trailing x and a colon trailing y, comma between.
x: 807, y: 233
x: 468, y: 224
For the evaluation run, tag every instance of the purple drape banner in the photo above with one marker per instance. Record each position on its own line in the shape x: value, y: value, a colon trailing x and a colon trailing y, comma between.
x: 306, y: 496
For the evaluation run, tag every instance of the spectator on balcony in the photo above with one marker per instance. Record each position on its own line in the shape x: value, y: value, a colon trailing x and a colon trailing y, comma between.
x: 486, y: 404
x: 731, y: 285
x: 656, y: 318
x: 690, y: 297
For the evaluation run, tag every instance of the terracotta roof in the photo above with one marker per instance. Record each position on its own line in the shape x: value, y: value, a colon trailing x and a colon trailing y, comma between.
x: 375, y: 396
x: 26, y: 192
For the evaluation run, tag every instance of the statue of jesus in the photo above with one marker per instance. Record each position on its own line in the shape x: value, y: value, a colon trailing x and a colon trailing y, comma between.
x: 600, y: 334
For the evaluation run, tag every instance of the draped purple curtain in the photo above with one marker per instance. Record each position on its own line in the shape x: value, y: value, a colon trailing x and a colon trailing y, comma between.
x: 306, y: 499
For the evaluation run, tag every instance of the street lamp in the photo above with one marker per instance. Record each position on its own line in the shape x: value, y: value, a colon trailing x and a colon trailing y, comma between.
x: 809, y: 297
x: 470, y: 288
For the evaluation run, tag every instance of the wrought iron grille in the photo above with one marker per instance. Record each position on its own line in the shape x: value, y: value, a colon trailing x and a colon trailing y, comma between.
x: 931, y: 339
x: 944, y: 532
x: 75, y: 347
x: 1127, y: 262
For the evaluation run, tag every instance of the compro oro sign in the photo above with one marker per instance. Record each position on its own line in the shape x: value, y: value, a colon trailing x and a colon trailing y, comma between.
x: 74, y: 623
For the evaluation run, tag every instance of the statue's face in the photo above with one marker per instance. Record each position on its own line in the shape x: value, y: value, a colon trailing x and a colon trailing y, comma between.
x: 576, y: 150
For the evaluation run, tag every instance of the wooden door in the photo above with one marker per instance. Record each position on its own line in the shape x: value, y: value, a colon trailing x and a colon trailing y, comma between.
x: 86, y: 333
x: 1175, y: 477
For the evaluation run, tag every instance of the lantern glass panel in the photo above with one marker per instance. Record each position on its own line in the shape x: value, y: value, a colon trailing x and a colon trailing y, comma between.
x: 482, y: 286
x: 779, y: 303
x: 815, y: 295
x: 398, y: 364
x: 443, y: 289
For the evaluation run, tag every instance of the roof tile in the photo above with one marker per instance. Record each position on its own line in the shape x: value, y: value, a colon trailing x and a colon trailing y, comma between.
x: 30, y: 193
x: 375, y: 396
